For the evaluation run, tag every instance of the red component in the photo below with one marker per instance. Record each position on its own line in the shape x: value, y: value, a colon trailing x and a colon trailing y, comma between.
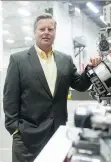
x: 67, y: 160
x: 82, y: 67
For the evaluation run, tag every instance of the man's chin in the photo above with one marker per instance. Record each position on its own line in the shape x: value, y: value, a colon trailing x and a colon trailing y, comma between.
x: 47, y: 43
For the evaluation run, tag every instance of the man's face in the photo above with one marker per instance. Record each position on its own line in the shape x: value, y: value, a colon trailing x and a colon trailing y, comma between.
x: 45, y: 32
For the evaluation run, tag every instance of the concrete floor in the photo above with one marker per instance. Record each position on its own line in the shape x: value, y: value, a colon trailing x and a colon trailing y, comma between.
x: 6, y: 139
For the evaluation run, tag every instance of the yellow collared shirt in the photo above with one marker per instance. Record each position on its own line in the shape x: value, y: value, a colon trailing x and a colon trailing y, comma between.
x: 49, y: 67
x: 44, y: 56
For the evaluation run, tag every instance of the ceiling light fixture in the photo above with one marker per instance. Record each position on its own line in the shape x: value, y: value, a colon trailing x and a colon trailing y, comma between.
x: 109, y: 40
x: 24, y: 2
x: 102, y: 19
x: 26, y: 21
x: 28, y: 38
x: 6, y: 25
x: 5, y: 32
x: 70, y: 4
x: 23, y: 12
x: 26, y: 28
x: 77, y: 9
x: 10, y: 41
x: 92, y: 7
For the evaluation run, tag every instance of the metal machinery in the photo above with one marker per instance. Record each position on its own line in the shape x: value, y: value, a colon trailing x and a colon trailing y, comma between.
x: 94, y: 144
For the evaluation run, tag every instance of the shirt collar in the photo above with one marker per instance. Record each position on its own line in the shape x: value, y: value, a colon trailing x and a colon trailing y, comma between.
x: 42, y: 53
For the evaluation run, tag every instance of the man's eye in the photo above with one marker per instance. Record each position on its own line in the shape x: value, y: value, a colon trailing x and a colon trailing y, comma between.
x: 50, y: 29
x: 41, y: 29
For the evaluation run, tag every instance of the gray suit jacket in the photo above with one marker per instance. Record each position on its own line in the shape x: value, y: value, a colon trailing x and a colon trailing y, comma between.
x: 28, y: 103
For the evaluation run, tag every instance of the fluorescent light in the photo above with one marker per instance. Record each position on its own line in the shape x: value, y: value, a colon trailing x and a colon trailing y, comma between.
x: 26, y: 21
x: 26, y: 28
x: 7, y: 25
x: 70, y: 4
x: 92, y: 7
x: 109, y: 40
x: 96, y: 160
x: 10, y: 41
x: 5, y: 32
x: 28, y: 38
x: 77, y: 9
x: 1, y: 44
x: 23, y: 12
x: 24, y: 2
x: 102, y: 19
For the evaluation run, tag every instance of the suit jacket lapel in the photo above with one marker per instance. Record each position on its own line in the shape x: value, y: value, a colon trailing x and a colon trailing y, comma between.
x: 59, y: 66
x: 39, y: 73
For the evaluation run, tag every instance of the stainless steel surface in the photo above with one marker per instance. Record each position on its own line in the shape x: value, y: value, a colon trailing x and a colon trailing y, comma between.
x: 78, y: 158
x: 106, y: 149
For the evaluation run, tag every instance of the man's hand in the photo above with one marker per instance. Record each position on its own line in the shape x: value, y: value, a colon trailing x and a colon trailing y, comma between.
x: 95, y: 60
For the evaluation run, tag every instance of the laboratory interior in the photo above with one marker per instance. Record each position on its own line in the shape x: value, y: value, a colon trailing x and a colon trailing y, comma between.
x: 83, y: 32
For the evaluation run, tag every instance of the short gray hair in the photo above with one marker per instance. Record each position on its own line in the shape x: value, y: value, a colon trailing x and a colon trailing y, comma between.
x: 43, y: 16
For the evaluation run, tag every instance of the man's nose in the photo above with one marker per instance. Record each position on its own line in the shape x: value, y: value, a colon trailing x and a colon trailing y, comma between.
x: 46, y: 31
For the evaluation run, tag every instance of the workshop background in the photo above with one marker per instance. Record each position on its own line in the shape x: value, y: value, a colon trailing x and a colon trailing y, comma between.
x: 78, y: 27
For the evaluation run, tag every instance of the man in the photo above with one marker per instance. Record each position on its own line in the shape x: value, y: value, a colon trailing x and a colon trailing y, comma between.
x: 36, y: 89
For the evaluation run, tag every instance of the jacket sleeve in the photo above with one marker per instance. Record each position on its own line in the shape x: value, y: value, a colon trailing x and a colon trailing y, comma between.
x: 79, y: 82
x: 11, y: 96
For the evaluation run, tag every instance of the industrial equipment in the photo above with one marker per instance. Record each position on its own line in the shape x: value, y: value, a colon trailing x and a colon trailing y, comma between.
x: 94, y: 144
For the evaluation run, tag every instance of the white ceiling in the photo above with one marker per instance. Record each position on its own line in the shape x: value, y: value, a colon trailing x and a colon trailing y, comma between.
x: 17, y: 26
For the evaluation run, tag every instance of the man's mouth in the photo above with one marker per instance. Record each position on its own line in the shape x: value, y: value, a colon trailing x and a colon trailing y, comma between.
x: 46, y: 38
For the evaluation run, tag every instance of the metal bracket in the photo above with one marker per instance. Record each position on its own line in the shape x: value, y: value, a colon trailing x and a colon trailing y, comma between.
x: 78, y: 46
